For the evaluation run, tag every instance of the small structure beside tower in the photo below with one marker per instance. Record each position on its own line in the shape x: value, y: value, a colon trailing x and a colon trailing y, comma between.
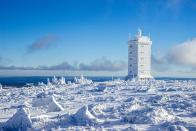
x: 139, y: 57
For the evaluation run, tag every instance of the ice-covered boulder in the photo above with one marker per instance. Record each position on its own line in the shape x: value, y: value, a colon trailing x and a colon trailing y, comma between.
x: 84, y: 117
x: 160, y: 115
x: 54, y: 106
x: 137, y: 116
x: 149, y: 116
x: 41, y: 95
x: 100, y: 88
x: 19, y: 121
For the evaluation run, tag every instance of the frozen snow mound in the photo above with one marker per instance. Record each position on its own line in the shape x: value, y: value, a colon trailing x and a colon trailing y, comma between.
x: 54, y: 106
x: 84, y: 117
x: 49, y: 102
x: 19, y: 121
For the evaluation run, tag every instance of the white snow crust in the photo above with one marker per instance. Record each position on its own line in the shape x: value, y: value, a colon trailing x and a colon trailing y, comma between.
x: 153, y: 105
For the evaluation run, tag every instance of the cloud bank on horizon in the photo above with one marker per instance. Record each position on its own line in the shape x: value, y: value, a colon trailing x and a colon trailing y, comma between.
x: 101, y: 64
x: 182, y: 55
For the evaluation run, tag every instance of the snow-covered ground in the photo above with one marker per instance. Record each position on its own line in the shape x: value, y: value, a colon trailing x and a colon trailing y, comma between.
x: 112, y: 105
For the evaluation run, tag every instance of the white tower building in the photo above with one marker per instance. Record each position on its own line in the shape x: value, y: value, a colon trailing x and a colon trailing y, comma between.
x: 139, y: 57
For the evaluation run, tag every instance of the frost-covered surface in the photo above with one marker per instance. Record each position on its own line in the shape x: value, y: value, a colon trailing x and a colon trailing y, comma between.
x: 112, y: 105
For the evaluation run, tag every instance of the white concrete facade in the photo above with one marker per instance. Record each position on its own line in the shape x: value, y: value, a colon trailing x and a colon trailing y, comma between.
x: 139, y: 57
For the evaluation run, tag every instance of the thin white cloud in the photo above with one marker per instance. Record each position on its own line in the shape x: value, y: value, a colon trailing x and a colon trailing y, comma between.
x: 175, y: 4
x: 42, y: 43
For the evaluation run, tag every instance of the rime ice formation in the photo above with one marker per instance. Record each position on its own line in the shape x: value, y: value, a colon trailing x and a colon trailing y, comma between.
x: 82, y: 80
x: 62, y: 81
x: 54, y: 80
x: 147, y: 105
x: 139, y: 57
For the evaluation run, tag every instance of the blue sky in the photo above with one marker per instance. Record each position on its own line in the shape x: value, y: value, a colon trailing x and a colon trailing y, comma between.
x: 39, y: 36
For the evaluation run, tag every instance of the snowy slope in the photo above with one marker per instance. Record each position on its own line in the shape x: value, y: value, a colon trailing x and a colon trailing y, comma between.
x: 113, y: 105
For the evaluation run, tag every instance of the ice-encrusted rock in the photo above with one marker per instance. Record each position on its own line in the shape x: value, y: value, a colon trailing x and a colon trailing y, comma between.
x: 41, y: 95
x: 160, y: 115
x: 130, y: 99
x: 19, y: 121
x: 54, y: 106
x: 149, y: 116
x: 127, y: 107
x: 84, y: 117
x: 137, y: 116
x: 100, y: 88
